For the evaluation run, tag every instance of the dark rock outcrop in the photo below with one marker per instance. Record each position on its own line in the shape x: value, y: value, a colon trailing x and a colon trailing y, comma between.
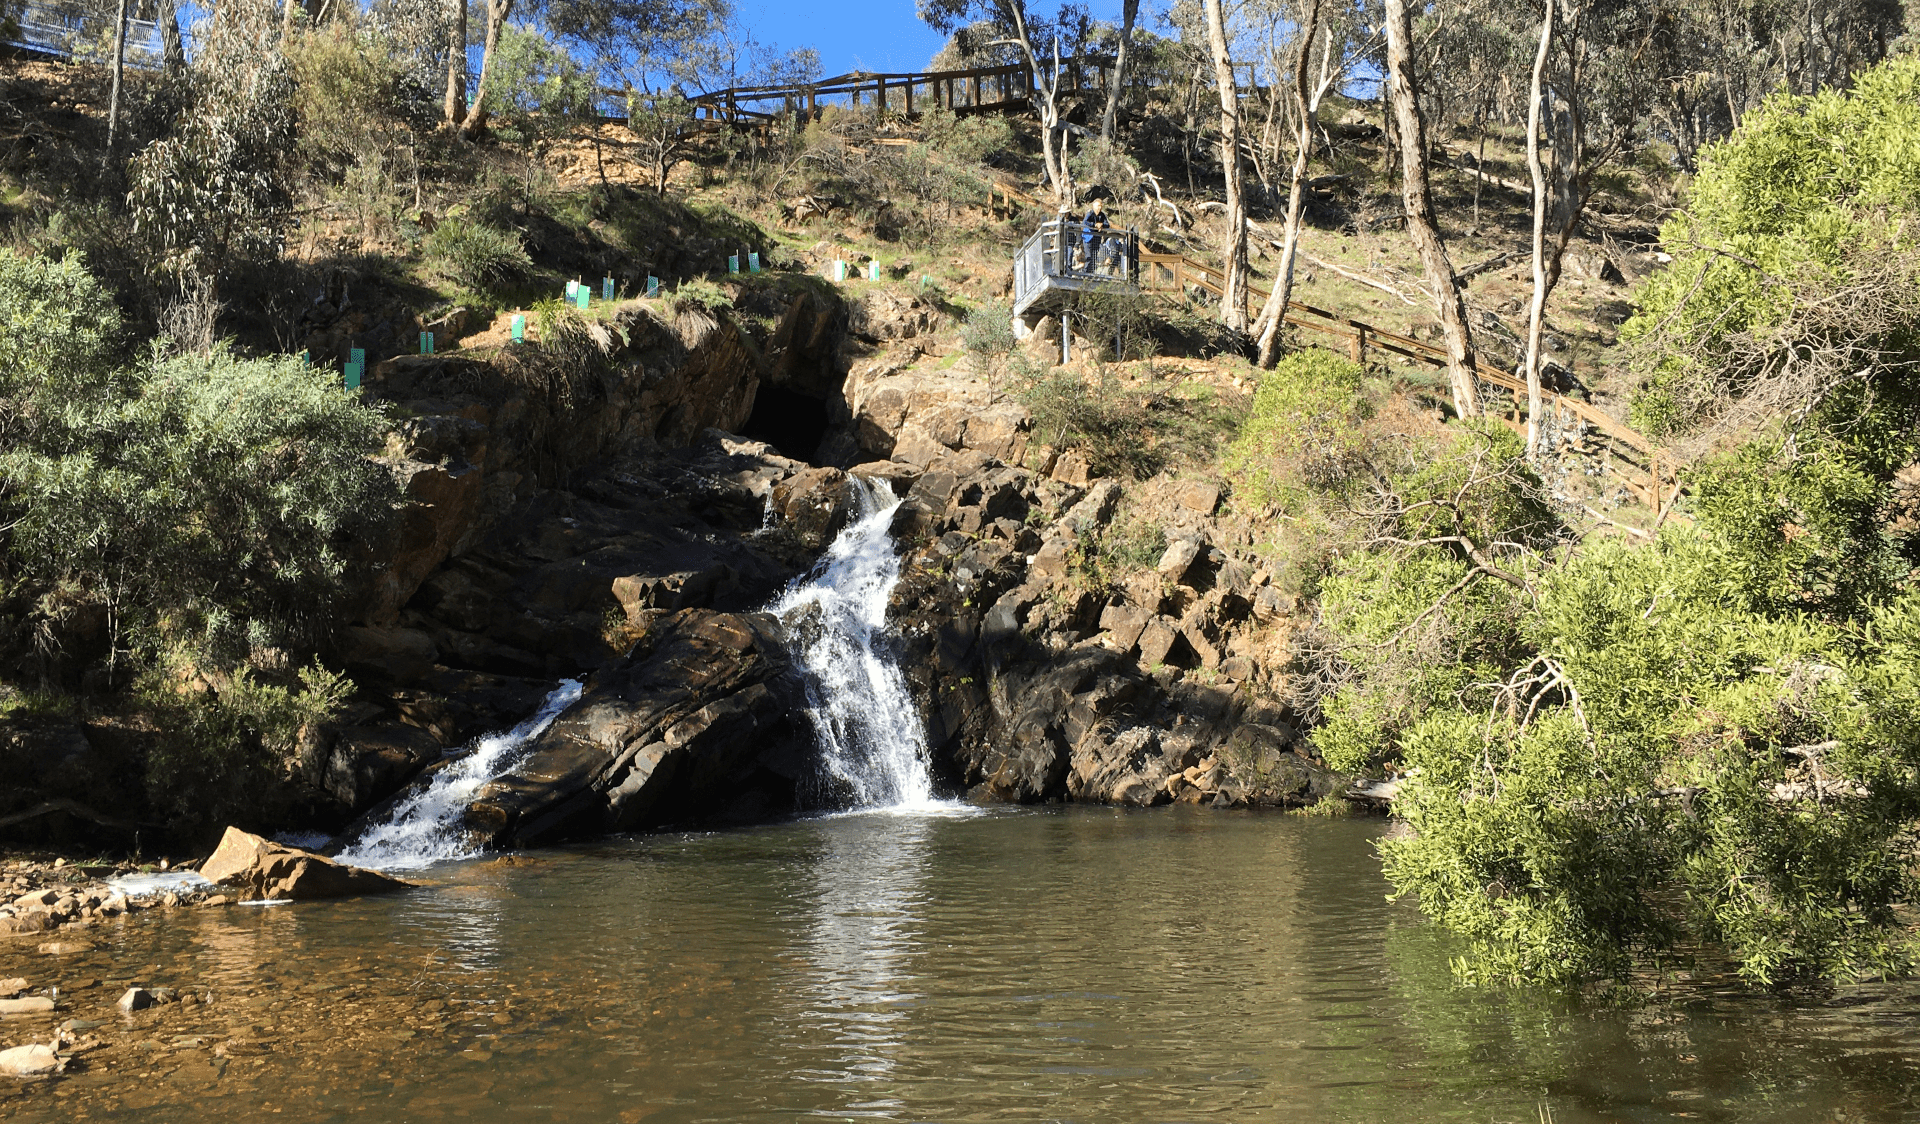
x: 1042, y: 681
x: 694, y: 725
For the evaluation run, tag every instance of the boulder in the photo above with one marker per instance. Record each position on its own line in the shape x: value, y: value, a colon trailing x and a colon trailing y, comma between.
x: 1071, y: 467
x: 688, y: 726
x: 369, y: 763
x: 1095, y: 508
x: 638, y: 593
x: 30, y: 1061
x: 397, y: 655
x: 30, y: 1005
x: 1197, y: 496
x: 262, y: 870
x: 1179, y: 558
x: 137, y: 999
x: 881, y: 314
x: 814, y: 505
x: 1259, y: 761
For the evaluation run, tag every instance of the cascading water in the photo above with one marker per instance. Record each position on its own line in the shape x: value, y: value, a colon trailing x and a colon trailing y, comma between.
x: 422, y: 829
x: 871, y: 739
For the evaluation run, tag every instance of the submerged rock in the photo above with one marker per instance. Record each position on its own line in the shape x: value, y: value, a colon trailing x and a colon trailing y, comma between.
x: 262, y: 870
x: 31, y: 1005
x: 30, y: 1061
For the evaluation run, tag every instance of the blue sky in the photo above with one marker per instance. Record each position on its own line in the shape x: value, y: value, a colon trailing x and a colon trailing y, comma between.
x: 880, y: 35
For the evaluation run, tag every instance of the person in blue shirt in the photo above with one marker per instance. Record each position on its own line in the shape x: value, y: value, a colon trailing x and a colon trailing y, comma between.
x: 1092, y: 229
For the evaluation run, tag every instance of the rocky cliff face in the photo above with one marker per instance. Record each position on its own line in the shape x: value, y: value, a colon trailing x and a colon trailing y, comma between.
x: 696, y: 724
x: 1040, y: 684
x: 559, y: 506
x: 597, y: 515
x: 1038, y: 678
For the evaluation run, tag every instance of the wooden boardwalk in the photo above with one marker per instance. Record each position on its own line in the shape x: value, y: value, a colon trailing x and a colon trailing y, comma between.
x: 983, y: 89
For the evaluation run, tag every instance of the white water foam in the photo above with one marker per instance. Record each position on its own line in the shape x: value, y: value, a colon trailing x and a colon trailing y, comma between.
x: 871, y: 738
x: 422, y: 830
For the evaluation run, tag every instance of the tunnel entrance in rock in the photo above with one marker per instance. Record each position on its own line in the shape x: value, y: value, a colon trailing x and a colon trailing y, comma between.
x: 791, y: 422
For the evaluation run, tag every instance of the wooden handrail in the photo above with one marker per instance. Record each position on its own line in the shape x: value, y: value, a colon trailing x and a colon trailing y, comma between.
x: 1656, y: 484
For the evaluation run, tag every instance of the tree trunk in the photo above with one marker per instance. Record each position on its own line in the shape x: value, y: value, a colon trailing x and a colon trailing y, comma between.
x: 173, y: 52
x: 1234, y: 251
x: 1418, y: 196
x: 1267, y: 328
x: 119, y: 66
x: 497, y: 13
x: 1537, y: 307
x: 457, y: 65
x: 1047, y: 85
x: 1128, y: 11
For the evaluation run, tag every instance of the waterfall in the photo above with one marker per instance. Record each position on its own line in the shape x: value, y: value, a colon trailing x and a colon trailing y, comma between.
x: 424, y: 827
x: 870, y: 735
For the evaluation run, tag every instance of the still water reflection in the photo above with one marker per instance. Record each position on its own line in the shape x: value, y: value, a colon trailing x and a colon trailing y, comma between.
x: 1047, y: 965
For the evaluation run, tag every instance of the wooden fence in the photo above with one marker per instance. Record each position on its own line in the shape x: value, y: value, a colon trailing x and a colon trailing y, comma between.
x: 1643, y: 468
x: 981, y: 89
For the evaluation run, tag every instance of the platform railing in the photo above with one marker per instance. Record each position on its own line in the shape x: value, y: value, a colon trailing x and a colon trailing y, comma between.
x: 1058, y: 252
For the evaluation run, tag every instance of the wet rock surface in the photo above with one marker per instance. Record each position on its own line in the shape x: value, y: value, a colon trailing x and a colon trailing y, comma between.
x: 695, y: 725
x: 38, y: 897
x: 562, y: 583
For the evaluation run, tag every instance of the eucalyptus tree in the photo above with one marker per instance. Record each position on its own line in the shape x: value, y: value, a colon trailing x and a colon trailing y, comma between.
x: 646, y: 44
x: 1233, y: 249
x: 1586, y: 96
x: 498, y: 11
x: 1122, y: 55
x: 1344, y: 41
x: 1423, y: 228
x: 1022, y: 29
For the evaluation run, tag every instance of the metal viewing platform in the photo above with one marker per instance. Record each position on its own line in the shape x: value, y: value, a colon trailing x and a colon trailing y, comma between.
x: 1054, y: 262
x: 68, y: 29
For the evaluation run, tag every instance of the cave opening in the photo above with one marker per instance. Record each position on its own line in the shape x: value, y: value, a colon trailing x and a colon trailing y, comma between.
x: 793, y: 423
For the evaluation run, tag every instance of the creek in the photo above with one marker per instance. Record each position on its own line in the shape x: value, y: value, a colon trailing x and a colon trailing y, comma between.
x: 1061, y: 963
x: 907, y: 960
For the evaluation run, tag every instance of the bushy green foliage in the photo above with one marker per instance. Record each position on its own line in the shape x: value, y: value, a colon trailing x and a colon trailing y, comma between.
x: 697, y: 295
x: 203, y: 504
x: 537, y: 90
x: 1683, y: 771
x: 1812, y: 198
x: 1306, y: 432
x: 988, y: 336
x: 228, y: 745
x: 216, y: 187
x: 58, y: 331
x: 1706, y: 744
x: 482, y: 258
x: 348, y: 92
x: 966, y: 140
x: 1431, y: 616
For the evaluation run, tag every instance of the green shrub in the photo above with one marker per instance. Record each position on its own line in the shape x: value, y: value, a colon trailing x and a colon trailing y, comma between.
x: 228, y: 747
x: 1801, y: 238
x: 988, y: 330
x: 202, y: 508
x: 698, y: 295
x: 480, y: 258
x: 1306, y: 433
